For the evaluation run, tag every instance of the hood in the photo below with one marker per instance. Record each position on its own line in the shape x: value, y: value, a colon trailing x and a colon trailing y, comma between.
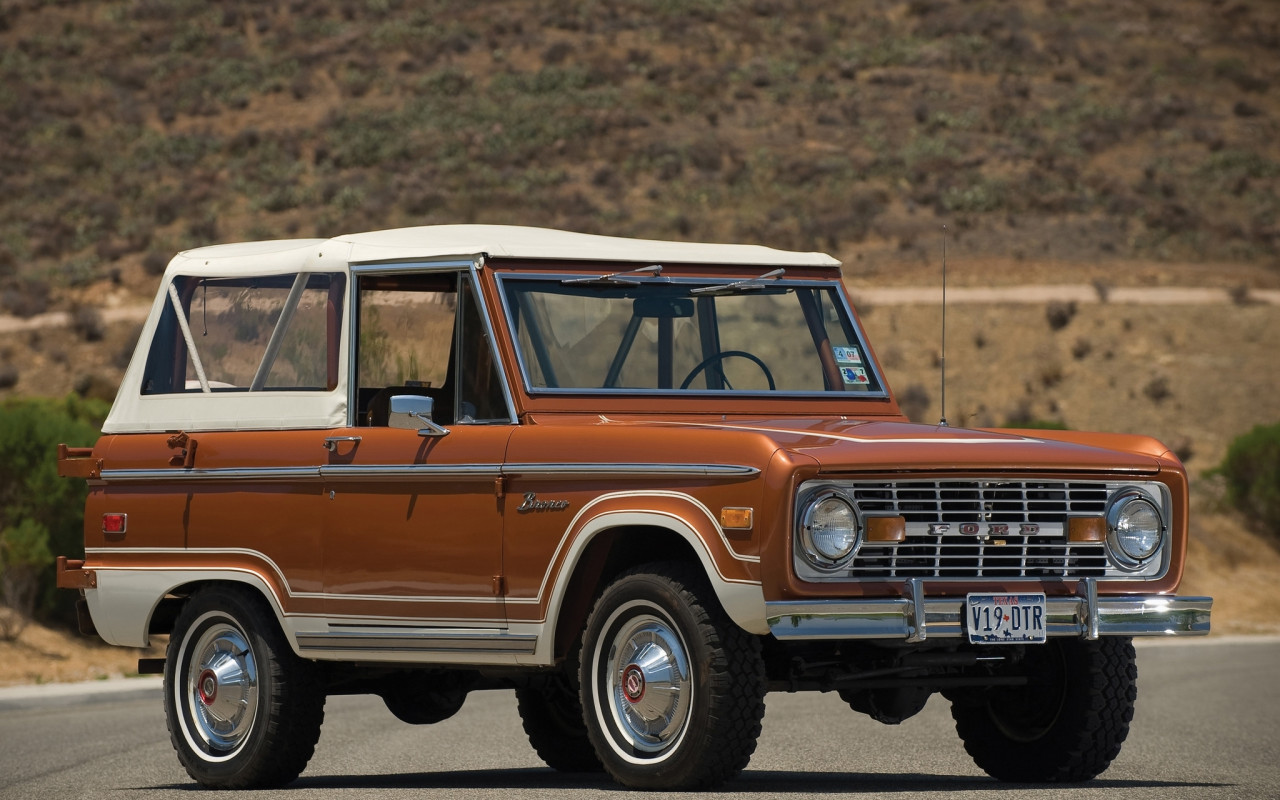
x: 845, y: 445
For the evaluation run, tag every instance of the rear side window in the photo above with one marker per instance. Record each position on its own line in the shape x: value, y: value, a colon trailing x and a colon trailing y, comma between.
x: 269, y: 333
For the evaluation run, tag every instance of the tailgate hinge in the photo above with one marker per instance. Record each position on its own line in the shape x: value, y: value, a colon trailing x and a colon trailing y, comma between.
x: 78, y: 462
x: 73, y: 575
x: 186, y: 457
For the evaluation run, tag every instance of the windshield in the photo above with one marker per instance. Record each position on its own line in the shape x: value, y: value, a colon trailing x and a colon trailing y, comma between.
x: 660, y: 335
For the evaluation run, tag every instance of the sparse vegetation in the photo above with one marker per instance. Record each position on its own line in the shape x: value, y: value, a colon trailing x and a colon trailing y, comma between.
x: 1251, y: 469
x: 1059, y: 313
x: 914, y: 402
x: 87, y: 322
x: 1157, y: 389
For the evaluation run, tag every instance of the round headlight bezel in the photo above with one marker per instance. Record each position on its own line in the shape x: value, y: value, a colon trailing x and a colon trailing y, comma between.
x: 1123, y: 505
x: 826, y: 559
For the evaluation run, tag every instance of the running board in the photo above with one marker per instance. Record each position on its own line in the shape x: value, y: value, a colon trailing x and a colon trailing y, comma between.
x: 417, y: 640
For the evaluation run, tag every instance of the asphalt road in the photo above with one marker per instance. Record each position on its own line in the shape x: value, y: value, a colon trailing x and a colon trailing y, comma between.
x: 1207, y: 726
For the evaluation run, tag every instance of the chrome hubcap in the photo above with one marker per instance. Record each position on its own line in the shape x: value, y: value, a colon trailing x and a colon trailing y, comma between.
x: 649, y: 683
x: 222, y: 688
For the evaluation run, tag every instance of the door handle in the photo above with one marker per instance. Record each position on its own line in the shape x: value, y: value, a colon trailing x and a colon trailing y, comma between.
x: 331, y: 442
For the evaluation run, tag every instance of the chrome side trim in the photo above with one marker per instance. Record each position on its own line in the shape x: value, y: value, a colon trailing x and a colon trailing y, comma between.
x: 428, y: 471
x: 893, y: 618
x: 636, y: 470
x: 419, y: 641
x: 416, y: 471
x: 255, y: 474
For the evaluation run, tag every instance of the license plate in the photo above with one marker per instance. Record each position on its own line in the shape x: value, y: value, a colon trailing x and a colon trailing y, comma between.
x: 1005, y: 618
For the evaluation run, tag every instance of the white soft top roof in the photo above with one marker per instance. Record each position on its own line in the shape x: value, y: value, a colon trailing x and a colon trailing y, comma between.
x: 467, y: 241
x: 134, y: 411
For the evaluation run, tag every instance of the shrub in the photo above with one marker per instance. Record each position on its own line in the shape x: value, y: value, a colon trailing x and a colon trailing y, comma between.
x: 1251, y: 470
x: 914, y: 402
x: 41, y: 515
x: 154, y: 263
x: 1059, y: 313
x: 24, y: 552
x: 88, y: 324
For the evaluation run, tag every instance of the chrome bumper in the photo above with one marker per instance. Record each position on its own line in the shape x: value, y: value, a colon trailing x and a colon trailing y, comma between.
x: 915, y: 618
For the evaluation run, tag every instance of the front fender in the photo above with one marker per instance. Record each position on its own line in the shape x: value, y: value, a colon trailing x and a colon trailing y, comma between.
x: 733, y: 576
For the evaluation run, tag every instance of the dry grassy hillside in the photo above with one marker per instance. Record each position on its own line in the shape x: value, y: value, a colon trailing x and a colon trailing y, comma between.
x: 1051, y: 129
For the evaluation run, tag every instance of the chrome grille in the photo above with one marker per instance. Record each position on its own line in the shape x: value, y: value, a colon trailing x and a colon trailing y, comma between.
x: 987, y: 501
x: 1034, y: 544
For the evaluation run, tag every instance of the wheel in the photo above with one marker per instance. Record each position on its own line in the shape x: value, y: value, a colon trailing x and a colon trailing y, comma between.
x: 1067, y: 726
x: 717, y: 358
x: 673, y: 691
x: 552, y: 717
x: 243, y: 711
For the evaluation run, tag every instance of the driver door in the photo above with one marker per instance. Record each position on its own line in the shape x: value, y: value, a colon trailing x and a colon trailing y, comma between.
x: 413, y: 521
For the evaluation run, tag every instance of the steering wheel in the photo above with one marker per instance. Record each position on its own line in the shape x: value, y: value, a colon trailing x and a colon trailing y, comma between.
x: 721, y: 356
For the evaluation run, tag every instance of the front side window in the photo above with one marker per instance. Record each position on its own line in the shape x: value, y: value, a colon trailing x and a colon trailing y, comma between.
x: 267, y: 333
x: 423, y: 334
x: 686, y: 336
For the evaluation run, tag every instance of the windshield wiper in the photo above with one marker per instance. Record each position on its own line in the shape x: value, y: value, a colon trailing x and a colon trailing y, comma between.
x: 627, y: 277
x: 740, y: 286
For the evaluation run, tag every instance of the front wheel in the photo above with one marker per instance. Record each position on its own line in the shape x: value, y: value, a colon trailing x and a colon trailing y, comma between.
x: 552, y: 718
x: 243, y: 710
x: 672, y: 690
x: 1067, y: 725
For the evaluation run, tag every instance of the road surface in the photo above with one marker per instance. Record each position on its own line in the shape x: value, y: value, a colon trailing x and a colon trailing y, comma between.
x: 1206, y: 727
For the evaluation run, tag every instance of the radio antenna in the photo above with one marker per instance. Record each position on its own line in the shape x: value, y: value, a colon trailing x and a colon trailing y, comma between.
x: 943, y: 422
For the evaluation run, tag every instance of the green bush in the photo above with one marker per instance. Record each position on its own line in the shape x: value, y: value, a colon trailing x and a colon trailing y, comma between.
x: 41, y: 515
x: 1251, y: 469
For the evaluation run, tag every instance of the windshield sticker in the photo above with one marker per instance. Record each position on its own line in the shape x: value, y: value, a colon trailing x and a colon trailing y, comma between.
x: 854, y: 376
x: 847, y: 355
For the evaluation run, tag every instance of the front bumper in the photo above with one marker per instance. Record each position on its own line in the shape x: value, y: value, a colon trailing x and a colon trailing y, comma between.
x: 915, y: 618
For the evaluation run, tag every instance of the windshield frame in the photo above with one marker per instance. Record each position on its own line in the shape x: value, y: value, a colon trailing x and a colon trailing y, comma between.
x: 835, y: 287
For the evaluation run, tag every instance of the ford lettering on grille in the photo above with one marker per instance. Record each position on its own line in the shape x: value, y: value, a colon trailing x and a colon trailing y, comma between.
x: 989, y: 529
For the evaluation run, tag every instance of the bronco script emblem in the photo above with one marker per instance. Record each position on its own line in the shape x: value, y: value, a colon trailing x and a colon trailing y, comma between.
x: 532, y: 503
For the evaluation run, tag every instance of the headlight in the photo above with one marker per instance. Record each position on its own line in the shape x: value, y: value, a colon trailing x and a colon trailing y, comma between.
x: 829, y: 531
x: 1135, y: 529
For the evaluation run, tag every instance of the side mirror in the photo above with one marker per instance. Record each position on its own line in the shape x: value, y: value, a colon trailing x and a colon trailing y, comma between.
x: 413, y: 413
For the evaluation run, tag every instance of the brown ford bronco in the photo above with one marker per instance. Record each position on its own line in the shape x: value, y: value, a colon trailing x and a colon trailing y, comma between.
x: 642, y: 483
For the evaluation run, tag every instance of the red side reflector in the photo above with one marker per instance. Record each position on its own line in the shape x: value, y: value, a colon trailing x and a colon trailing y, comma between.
x: 114, y: 523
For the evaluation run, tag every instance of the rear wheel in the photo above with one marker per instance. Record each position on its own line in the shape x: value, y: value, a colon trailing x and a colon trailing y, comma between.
x: 243, y: 711
x: 673, y: 691
x: 1066, y: 726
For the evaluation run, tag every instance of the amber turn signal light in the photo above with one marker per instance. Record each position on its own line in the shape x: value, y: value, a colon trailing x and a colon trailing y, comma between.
x: 738, y: 519
x: 886, y: 529
x: 1087, y: 529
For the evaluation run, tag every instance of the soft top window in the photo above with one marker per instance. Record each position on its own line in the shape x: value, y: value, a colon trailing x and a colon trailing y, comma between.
x: 269, y: 333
